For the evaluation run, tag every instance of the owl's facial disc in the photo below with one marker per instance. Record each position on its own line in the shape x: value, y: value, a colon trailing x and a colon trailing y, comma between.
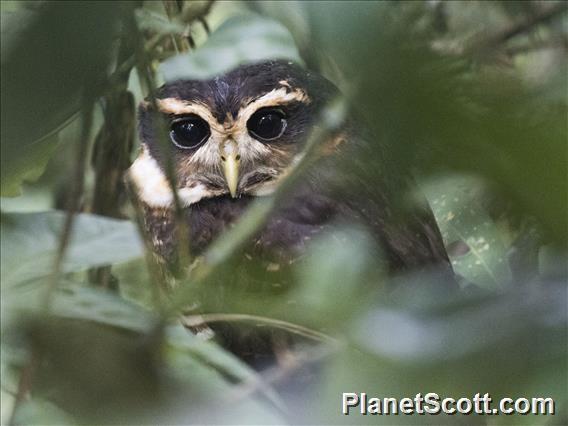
x: 230, y: 136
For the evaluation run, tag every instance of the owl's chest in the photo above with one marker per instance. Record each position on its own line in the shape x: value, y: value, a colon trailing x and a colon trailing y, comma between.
x: 281, y: 240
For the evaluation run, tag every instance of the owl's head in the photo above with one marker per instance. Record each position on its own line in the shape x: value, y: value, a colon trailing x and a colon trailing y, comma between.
x: 237, y: 134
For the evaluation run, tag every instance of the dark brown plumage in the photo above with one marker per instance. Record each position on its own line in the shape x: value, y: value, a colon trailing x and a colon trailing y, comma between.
x: 259, y: 117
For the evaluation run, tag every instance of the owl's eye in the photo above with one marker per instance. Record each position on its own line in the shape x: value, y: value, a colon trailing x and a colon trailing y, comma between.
x: 267, y: 124
x: 189, y: 132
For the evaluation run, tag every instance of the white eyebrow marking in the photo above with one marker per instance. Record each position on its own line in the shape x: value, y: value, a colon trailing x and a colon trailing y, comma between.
x: 179, y: 106
x: 273, y: 98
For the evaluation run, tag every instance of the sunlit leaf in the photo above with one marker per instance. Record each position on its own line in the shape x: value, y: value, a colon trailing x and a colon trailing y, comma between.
x: 473, y: 241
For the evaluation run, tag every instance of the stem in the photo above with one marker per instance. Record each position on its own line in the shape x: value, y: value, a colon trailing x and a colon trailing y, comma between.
x: 520, y: 27
x: 284, y: 325
x: 144, y: 68
x: 74, y: 204
x: 111, y: 155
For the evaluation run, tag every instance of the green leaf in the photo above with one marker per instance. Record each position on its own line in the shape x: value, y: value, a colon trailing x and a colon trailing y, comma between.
x: 30, y: 240
x: 27, y: 166
x: 473, y: 240
x: 433, y: 111
x: 41, y: 411
x: 52, y: 51
x: 239, y: 40
x: 101, y: 306
x: 329, y: 288
x: 183, y: 344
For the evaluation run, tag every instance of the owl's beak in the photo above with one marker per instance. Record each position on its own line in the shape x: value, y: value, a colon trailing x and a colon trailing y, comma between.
x: 230, y: 161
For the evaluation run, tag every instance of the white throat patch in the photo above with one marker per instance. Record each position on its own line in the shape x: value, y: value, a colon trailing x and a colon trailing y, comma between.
x: 152, y: 186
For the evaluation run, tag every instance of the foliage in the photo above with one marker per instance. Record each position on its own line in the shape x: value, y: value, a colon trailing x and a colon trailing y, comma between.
x: 470, y: 96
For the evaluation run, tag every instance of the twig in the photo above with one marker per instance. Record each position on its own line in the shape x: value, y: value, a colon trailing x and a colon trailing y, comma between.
x: 143, y: 67
x: 517, y: 28
x: 205, y: 25
x: 257, y: 320
x: 24, y: 383
x: 196, y: 10
x: 554, y: 43
x: 278, y: 373
x: 255, y: 379
x: 128, y: 64
x: 111, y: 154
x: 74, y: 202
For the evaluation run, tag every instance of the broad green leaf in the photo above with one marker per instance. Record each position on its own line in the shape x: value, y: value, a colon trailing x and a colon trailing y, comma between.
x: 473, y: 344
x: 51, y: 53
x: 190, y: 375
x: 239, y: 40
x: 473, y: 240
x: 433, y: 111
x: 27, y: 166
x: 181, y: 342
x: 102, y: 306
x: 41, y: 411
x: 30, y: 240
x: 330, y: 288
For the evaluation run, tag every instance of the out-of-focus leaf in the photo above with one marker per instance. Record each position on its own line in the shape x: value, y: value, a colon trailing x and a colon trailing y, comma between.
x: 153, y: 21
x: 29, y: 243
x: 489, y: 344
x: 75, y: 301
x: 186, y: 344
x: 101, y: 306
x: 239, y: 40
x: 51, y: 51
x: 6, y: 405
x: 27, y: 166
x: 472, y: 239
x: 85, y: 360
x: 432, y: 111
x: 135, y: 281
x: 136, y: 374
x: 338, y: 272
x: 41, y: 411
x: 291, y: 14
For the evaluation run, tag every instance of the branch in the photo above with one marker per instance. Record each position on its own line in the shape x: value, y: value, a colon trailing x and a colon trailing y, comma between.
x: 74, y: 204
x: 518, y: 28
x: 261, y: 321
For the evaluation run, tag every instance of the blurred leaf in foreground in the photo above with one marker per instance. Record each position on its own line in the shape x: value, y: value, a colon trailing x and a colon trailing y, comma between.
x: 240, y: 39
x: 51, y: 52
x: 29, y: 243
x: 456, y: 348
x: 435, y: 111
x: 27, y: 166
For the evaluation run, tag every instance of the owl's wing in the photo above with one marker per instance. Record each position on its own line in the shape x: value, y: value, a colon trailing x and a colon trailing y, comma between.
x: 368, y: 187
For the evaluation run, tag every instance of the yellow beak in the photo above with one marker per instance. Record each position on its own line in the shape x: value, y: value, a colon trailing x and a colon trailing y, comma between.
x: 230, y: 162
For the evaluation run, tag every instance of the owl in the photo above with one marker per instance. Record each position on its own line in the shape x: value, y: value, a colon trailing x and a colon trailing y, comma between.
x: 236, y: 137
